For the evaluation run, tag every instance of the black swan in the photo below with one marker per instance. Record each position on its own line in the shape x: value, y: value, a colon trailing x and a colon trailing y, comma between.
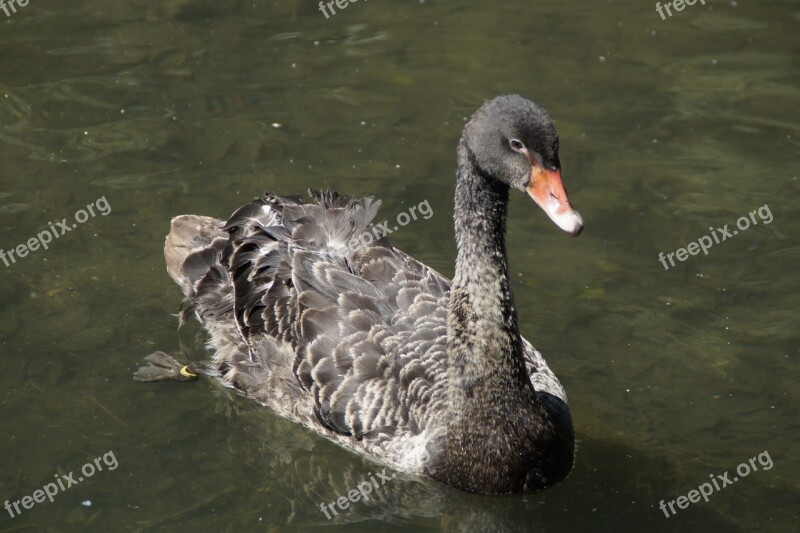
x: 373, y: 349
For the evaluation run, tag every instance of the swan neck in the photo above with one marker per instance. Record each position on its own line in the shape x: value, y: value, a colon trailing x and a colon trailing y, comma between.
x: 483, y: 334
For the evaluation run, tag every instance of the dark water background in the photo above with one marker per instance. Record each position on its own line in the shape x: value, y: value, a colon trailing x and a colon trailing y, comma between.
x: 192, y: 106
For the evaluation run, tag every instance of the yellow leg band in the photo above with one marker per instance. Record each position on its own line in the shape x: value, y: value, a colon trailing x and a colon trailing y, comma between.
x: 186, y: 373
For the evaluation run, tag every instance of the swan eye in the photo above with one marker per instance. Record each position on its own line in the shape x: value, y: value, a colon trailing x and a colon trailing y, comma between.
x: 516, y: 145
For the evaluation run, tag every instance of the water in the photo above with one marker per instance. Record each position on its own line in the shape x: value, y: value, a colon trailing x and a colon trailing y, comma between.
x: 190, y: 106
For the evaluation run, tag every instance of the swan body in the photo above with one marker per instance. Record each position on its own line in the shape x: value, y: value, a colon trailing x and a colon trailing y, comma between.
x: 371, y: 348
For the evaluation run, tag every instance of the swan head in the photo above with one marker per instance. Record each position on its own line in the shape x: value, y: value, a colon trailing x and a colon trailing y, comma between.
x: 513, y: 140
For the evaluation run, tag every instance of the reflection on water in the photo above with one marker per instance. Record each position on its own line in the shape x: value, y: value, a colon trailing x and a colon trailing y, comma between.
x: 193, y: 106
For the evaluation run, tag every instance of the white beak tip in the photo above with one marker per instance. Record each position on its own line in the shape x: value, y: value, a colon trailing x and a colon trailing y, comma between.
x: 571, y: 221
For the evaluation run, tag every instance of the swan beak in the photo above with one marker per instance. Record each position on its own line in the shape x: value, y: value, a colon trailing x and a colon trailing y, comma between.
x: 547, y: 190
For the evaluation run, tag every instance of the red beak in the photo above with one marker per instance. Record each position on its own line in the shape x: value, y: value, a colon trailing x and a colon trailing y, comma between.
x: 547, y: 190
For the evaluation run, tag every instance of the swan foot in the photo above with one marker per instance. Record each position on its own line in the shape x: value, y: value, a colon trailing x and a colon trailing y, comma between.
x: 164, y: 367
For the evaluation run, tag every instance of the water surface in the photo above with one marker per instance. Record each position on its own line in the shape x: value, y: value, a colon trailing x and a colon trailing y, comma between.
x: 192, y: 106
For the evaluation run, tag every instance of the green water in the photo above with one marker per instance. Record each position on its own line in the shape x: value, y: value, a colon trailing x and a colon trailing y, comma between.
x: 196, y: 106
